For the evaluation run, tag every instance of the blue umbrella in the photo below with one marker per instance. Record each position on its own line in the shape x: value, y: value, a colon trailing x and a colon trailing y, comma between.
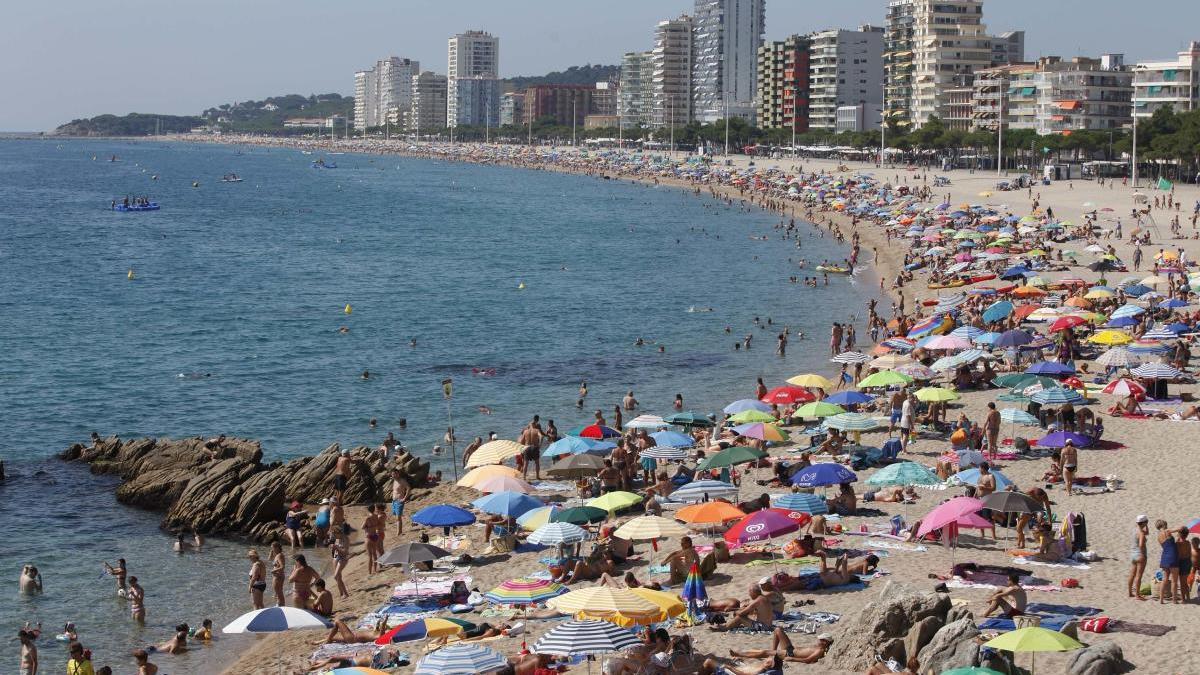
x: 1128, y: 310
x: 1172, y: 303
x: 443, y: 515
x: 988, y: 339
x: 803, y: 501
x: 997, y: 311
x: 819, y: 475
x: 673, y: 439
x: 1017, y: 272
x: 1051, y: 368
x: 1122, y: 322
x: 844, y: 398
x: 1178, y: 327
x: 509, y: 504
x: 1056, y: 396
x: 1137, y: 289
x: 461, y: 659
x: 703, y: 490
x: 971, y: 477
x: 1059, y: 439
x: 967, y: 332
x: 745, y: 404
x: 574, y: 445
x: 1013, y: 338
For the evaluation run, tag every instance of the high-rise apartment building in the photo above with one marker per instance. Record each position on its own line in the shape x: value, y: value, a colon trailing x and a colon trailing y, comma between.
x: 471, y: 54
x: 726, y: 38
x: 1008, y: 47
x: 637, y: 88
x: 365, y: 111
x: 1054, y: 96
x: 428, y: 112
x: 898, y: 62
x: 566, y: 104
x: 383, y: 92
x: 512, y: 108
x: 783, y: 84
x: 1157, y: 84
x: 845, y: 68
x: 477, y: 102
x: 671, y: 79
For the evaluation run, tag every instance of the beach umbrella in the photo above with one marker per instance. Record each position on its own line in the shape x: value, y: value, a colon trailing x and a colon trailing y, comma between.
x: 615, y: 501
x: 689, y: 419
x: 461, y: 659
x: 1021, y: 381
x: 524, y: 591
x: 818, y: 409
x: 1137, y: 290
x: 276, y: 620
x: 1022, y: 312
x: 503, y: 484
x: 1152, y: 348
x: 731, y: 456
x: 884, y: 378
x: 1125, y: 387
x: 971, y: 477
x: 582, y: 515
x: 918, y: 371
x: 748, y: 416
x: 988, y: 339
x: 744, y: 404
x: 856, y: 422
x: 443, y: 515
x: 803, y: 502
x: 1172, y: 303
x: 1118, y: 357
x: 413, y: 552
x: 538, y: 517
x: 1008, y: 501
x: 557, y: 534
x: 645, y: 528
x: 903, y: 474
x: 1050, y: 368
x: 664, y: 452
x: 1067, y: 322
x: 946, y: 363
x: 760, y: 526
x: 762, y: 432
x: 607, y: 603
x: 1018, y: 416
x: 966, y: 332
x: 419, y: 629
x: 575, y: 466
x: 1056, y: 396
x: 997, y: 311
x: 596, y: 431
x: 850, y: 397
x: 574, y: 445
x: 1034, y: 639
x: 1013, y: 338
x: 1128, y: 310
x: 1110, y: 337
x: 646, y: 422
x: 495, y: 452
x: 889, y: 361
x: 930, y: 394
x: 851, y: 358
x: 709, y: 513
x: 948, y: 342
x: 673, y: 439
x: 820, y: 475
x: 811, y: 381
x: 948, y: 512
x: 574, y: 638
x: 1157, y: 371
x: 508, y: 504
x: 703, y: 490
x: 780, y: 396
x: 480, y: 473
x: 694, y: 592
x: 358, y: 670
x: 1160, y: 333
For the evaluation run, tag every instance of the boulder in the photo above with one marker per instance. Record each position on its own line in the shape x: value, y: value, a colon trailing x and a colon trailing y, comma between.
x: 892, y: 649
x: 953, y: 646
x: 920, y: 634
x: 957, y: 612
x: 1102, y: 658
x: 891, y: 616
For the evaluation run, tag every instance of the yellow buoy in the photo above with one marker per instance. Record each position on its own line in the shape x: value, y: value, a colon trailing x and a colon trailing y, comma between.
x: 347, y: 309
x: 129, y: 275
x: 521, y: 286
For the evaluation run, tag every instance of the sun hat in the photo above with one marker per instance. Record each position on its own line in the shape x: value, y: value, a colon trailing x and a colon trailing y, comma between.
x: 825, y: 637
x: 1142, y: 519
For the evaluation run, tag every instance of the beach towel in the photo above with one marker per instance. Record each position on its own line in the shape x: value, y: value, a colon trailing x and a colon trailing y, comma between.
x: 1069, y: 610
x: 1065, y: 563
x: 804, y: 562
x: 1049, y: 622
x: 552, y: 486
x: 1148, y: 629
x: 879, y: 545
x: 958, y: 582
x: 426, y: 588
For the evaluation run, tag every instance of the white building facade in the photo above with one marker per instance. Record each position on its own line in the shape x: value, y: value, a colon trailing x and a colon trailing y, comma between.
x: 470, y: 54
x: 845, y: 69
x: 726, y: 37
x: 1158, y: 84
x: 671, y: 78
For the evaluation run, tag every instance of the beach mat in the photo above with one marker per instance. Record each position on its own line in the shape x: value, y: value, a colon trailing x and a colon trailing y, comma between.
x: 1049, y: 622
x: 1067, y: 610
x: 1148, y: 629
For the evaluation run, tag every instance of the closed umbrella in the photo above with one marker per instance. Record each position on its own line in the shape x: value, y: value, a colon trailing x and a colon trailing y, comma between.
x: 820, y: 475
x: 461, y: 659
x: 494, y: 452
x: 694, y: 592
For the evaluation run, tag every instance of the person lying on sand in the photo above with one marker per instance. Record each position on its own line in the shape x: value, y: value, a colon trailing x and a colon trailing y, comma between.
x: 781, y: 647
x: 589, y: 569
x: 342, y: 634
x: 772, y: 665
x: 1190, y: 413
x: 895, y: 495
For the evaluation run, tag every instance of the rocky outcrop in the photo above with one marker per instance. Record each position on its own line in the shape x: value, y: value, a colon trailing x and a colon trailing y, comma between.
x: 954, y: 646
x: 888, y: 620
x: 1102, y: 658
x: 227, y: 489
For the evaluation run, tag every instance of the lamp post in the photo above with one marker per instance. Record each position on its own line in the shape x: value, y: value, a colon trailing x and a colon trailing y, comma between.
x: 1000, y: 130
x: 572, y: 118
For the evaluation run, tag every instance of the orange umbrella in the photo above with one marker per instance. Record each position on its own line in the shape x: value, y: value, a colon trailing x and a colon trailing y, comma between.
x: 1025, y: 310
x: 1028, y: 292
x: 709, y: 513
x: 1076, y: 301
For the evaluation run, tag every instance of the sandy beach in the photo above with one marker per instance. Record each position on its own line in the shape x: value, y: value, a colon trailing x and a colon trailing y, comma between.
x: 1144, y: 454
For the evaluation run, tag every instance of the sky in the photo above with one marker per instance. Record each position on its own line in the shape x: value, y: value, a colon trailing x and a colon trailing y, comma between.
x: 66, y: 59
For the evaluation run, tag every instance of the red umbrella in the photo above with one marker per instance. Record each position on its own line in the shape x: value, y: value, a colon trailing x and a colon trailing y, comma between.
x: 1124, y: 387
x: 788, y: 395
x: 761, y: 526
x: 1025, y: 310
x: 1074, y: 383
x: 1069, y: 321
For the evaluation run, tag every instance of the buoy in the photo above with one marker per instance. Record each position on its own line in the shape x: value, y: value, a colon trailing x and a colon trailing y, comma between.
x: 129, y: 275
x: 347, y: 309
x: 521, y: 286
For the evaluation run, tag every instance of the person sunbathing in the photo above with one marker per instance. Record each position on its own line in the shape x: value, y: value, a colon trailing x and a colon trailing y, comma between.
x: 1011, y: 599
x: 772, y: 665
x: 758, y: 614
x: 781, y: 647
x: 587, y: 570
x: 1126, y: 406
x: 841, y: 575
x: 341, y: 633
x: 1192, y: 412
x: 484, y: 631
x: 894, y: 495
x: 913, y: 667
x: 725, y: 605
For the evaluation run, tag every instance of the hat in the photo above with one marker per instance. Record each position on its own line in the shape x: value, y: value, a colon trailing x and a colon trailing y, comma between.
x: 764, y: 580
x: 1142, y: 519
x: 345, y: 451
x: 825, y: 637
x: 325, y: 500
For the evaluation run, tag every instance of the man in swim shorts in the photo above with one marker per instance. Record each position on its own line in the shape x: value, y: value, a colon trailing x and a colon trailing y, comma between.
x: 781, y: 646
x: 341, y: 474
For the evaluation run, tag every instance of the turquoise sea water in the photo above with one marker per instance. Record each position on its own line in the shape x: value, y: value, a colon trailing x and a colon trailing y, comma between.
x: 231, y: 326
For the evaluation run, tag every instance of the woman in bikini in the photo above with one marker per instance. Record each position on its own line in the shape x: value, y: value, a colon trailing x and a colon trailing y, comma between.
x: 368, y: 528
x: 277, y: 573
x: 258, y: 579
x: 339, y: 557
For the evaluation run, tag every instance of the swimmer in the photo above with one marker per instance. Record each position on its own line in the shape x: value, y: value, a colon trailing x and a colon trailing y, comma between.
x: 366, y: 375
x: 31, y: 580
x: 119, y: 572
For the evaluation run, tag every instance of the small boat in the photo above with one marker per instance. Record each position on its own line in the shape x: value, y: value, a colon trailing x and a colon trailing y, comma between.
x: 127, y: 208
x: 833, y: 270
x: 231, y: 178
x: 322, y: 164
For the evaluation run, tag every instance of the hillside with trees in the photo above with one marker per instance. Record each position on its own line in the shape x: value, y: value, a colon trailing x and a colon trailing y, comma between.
x: 133, y: 124
x: 267, y: 116
x: 587, y: 74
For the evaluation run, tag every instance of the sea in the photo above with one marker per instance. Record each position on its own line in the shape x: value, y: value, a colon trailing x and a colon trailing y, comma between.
x: 255, y: 308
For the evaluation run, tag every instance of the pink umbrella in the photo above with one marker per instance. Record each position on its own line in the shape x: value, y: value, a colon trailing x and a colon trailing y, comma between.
x: 503, y: 484
x: 948, y: 512
x: 948, y: 342
x: 974, y: 521
x: 964, y: 257
x: 761, y: 526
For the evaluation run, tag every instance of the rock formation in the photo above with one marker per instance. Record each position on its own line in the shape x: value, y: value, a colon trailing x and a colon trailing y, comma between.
x: 228, y: 489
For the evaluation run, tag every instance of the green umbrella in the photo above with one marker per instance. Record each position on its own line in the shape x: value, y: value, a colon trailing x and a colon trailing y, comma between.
x: 819, y: 409
x: 689, y: 419
x: 750, y: 416
x: 1022, y: 380
x: 904, y: 474
x: 929, y: 394
x: 732, y: 456
x: 579, y: 515
x: 852, y: 422
x: 1034, y: 639
x: 884, y: 378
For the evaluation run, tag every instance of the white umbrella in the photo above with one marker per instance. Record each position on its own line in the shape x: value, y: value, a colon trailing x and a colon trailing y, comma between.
x: 664, y: 452
x: 851, y: 358
x: 646, y: 422
x: 461, y: 659
x: 553, y: 534
x: 276, y: 620
x: 1118, y: 357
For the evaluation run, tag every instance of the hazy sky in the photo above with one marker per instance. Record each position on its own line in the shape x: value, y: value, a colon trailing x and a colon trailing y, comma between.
x: 63, y: 59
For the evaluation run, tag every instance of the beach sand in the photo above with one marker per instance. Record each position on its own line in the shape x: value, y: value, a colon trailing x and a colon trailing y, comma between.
x: 1153, y: 465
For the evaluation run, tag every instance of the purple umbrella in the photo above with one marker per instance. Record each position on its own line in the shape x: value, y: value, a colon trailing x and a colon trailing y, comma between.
x: 1059, y: 439
x: 761, y: 526
x: 1051, y: 368
x: 1013, y: 338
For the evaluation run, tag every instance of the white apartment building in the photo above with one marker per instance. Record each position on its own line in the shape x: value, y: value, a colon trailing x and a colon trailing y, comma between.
x: 365, y: 112
x: 1157, y: 84
x: 726, y: 37
x: 428, y: 112
x: 950, y: 43
x: 1054, y: 96
x: 637, y: 88
x: 383, y: 92
x: 671, y: 79
x: 845, y: 69
x: 471, y: 54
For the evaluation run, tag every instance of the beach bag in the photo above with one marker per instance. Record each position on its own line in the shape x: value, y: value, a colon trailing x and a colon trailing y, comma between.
x: 1098, y: 624
x: 958, y: 438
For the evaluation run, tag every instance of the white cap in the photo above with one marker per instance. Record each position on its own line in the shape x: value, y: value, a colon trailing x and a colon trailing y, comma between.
x: 825, y: 637
x: 325, y: 500
x: 1142, y: 519
x: 764, y: 580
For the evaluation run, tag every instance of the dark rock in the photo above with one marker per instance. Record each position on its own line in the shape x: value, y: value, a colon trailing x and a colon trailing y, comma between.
x: 920, y: 634
x: 953, y: 646
x: 887, y: 620
x: 1102, y: 658
x: 893, y: 649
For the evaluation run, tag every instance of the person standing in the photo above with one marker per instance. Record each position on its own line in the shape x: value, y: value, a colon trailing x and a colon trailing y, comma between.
x: 1138, y: 556
x: 143, y: 663
x: 119, y: 572
x: 339, y: 557
x: 258, y: 579
x: 301, y: 578
x: 341, y: 474
x: 400, y: 490
x: 277, y: 573
x: 371, y: 539
x: 1168, y: 562
x: 29, y: 653
x: 79, y: 663
x: 1070, y: 464
x: 835, y: 339
x: 907, y: 410
x: 991, y: 429
x: 531, y: 438
x: 137, y: 600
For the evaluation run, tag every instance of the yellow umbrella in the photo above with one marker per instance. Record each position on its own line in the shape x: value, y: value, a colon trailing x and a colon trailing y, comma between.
x: 494, y: 452
x: 1034, y: 639
x: 475, y: 475
x: 810, y: 380
x: 929, y: 394
x: 1099, y: 294
x: 670, y: 603
x: 650, y: 527
x: 617, y: 605
x: 1111, y: 337
x: 615, y: 501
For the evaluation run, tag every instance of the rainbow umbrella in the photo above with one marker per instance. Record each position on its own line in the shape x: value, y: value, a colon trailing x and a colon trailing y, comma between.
x: 693, y: 591
x: 420, y: 629
x: 524, y: 591
x: 761, y: 431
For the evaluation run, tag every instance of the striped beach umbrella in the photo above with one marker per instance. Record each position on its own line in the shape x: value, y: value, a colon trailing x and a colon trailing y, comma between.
x: 851, y: 358
x: 967, y: 332
x: 276, y: 620
x: 524, y: 591
x: 852, y: 422
x: 1159, y: 333
x: 462, y: 659
x: 888, y: 361
x: 533, y: 519
x: 607, y: 603
x: 1157, y: 371
x: 917, y: 371
x: 804, y: 502
x: 1018, y: 416
x: 644, y: 528
x: 946, y: 363
x: 646, y: 422
x: 1141, y: 349
x: 703, y: 490
x: 419, y: 629
x: 574, y: 638
x: 1056, y: 396
x: 555, y: 534
x: 494, y: 452
x: 763, y: 432
x: 664, y: 452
